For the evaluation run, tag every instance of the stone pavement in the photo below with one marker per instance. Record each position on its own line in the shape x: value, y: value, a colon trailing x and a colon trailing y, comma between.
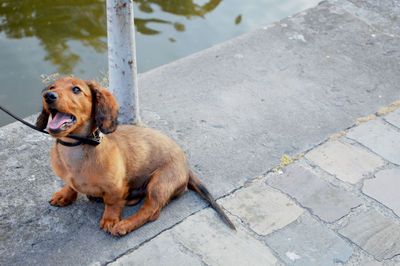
x: 237, y: 110
x: 338, y: 203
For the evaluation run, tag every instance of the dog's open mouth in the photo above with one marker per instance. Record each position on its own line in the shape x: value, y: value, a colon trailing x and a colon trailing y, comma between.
x: 61, y: 121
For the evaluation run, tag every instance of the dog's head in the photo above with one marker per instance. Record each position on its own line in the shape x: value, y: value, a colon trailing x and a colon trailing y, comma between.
x: 77, y: 107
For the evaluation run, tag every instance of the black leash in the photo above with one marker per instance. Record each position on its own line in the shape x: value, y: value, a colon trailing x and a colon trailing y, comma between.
x: 22, y: 121
x: 81, y: 140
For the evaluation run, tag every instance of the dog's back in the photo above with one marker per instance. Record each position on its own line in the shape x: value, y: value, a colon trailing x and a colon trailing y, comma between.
x: 146, y: 149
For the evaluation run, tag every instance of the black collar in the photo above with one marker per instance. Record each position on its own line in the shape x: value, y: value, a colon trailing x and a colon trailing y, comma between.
x: 69, y: 144
x: 94, y: 139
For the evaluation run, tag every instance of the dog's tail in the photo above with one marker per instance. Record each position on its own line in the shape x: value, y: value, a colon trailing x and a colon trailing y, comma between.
x: 197, y: 186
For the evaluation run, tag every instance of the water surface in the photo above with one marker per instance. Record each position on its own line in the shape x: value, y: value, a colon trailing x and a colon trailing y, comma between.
x: 69, y: 37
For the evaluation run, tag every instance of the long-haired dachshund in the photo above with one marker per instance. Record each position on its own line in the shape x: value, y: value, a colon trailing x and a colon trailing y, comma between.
x: 129, y: 164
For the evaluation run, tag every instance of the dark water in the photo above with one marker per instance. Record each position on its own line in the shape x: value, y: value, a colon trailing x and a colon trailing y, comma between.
x: 69, y: 37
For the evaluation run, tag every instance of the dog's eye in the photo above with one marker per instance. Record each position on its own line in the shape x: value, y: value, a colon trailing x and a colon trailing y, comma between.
x: 76, y: 90
x: 51, y: 88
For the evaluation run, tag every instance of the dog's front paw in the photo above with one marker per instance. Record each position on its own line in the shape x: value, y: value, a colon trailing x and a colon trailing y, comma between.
x: 107, y: 224
x: 121, y: 228
x: 60, y: 199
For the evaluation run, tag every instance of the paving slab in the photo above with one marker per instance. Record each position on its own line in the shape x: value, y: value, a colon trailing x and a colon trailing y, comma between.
x: 206, y: 235
x: 308, y: 242
x: 375, y: 233
x: 393, y: 118
x: 379, y: 137
x: 162, y: 250
x: 263, y: 208
x: 234, y: 108
x: 328, y: 202
x: 347, y: 162
x: 385, y: 188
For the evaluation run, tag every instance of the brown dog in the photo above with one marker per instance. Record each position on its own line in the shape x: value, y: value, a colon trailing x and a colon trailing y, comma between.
x: 129, y: 164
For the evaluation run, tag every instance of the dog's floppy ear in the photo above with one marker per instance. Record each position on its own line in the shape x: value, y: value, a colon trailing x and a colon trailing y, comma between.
x: 105, y: 108
x: 43, y: 118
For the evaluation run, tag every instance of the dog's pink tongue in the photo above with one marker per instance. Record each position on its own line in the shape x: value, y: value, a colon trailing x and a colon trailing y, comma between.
x: 59, y: 120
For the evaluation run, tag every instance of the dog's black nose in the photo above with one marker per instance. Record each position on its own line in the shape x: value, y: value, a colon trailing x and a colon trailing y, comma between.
x: 50, y: 97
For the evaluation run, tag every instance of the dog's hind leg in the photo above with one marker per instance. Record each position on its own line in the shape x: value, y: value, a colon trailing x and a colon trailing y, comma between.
x: 166, y: 183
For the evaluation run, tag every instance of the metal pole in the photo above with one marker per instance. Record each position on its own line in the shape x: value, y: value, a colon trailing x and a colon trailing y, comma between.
x: 122, y: 59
